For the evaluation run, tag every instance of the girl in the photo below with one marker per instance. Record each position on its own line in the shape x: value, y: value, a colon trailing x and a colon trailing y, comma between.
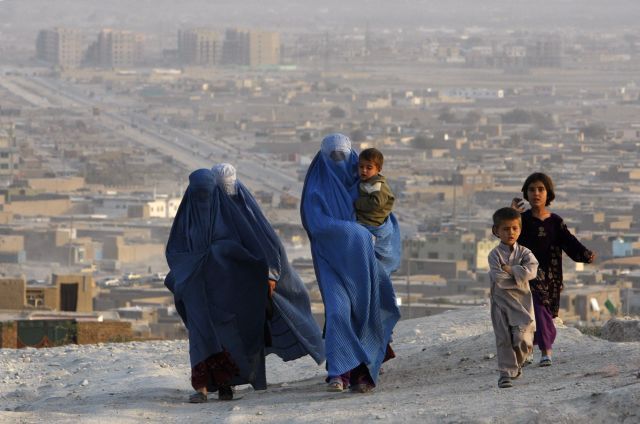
x: 547, y: 236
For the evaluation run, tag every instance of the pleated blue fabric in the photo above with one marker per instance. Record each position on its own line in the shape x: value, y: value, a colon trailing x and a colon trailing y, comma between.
x: 218, y: 275
x: 294, y: 332
x: 360, y: 304
x: 388, y: 243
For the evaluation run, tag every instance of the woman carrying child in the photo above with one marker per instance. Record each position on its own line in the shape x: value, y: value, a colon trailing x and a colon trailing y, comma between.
x: 547, y: 236
x: 360, y: 304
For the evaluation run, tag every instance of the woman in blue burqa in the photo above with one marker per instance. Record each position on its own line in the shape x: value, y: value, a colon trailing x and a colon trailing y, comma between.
x: 352, y: 268
x: 234, y: 288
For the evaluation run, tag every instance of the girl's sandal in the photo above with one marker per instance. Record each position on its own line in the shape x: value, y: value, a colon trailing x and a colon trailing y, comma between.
x: 545, y: 361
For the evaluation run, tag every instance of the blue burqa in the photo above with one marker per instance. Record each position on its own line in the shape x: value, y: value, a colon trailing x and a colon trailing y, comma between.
x: 218, y: 275
x: 360, y: 304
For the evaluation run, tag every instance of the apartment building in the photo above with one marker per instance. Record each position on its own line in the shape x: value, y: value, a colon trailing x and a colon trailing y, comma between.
x: 61, y: 47
x: 200, y: 47
x: 251, y: 48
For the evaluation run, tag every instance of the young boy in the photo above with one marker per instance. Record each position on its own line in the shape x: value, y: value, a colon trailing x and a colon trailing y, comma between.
x: 375, y: 199
x: 511, y: 266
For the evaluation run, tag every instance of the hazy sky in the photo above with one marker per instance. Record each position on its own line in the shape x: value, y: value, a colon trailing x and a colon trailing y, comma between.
x: 20, y: 15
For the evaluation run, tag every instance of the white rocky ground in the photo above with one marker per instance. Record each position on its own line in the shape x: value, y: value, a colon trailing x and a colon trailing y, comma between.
x: 444, y: 372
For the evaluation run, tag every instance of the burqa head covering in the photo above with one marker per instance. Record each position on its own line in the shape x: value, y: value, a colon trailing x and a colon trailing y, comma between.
x: 336, y: 146
x: 340, y: 158
x: 225, y: 178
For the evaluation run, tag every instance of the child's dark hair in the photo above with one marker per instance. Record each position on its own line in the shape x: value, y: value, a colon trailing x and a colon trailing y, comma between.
x: 373, y: 155
x: 505, y: 214
x: 544, y: 179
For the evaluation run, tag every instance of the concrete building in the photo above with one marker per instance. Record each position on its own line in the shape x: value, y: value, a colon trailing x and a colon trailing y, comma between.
x: 452, y: 246
x: 13, y: 293
x: 589, y: 303
x: 60, y: 47
x: 251, y: 48
x: 264, y: 48
x: 36, y: 204
x: 9, y: 155
x: 116, y: 49
x: 73, y: 293
x: 136, y: 207
x: 235, y: 50
x: 483, y: 248
x: 118, y: 249
x: 199, y: 47
x: 12, y: 248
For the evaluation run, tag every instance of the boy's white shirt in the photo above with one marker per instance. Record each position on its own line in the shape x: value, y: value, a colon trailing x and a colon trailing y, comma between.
x: 371, y: 188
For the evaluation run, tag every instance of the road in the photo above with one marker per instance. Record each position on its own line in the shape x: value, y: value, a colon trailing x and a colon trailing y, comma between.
x: 258, y: 171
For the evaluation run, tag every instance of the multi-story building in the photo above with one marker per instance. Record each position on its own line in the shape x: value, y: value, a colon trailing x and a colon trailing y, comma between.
x: 9, y: 156
x: 198, y: 47
x: 251, y: 48
x: 116, y: 49
x: 235, y: 50
x: 264, y: 48
x: 60, y: 46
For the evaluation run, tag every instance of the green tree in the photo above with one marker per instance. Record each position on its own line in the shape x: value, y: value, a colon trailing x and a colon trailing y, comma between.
x: 447, y: 116
x: 472, y: 118
x: 516, y: 116
x: 357, y: 135
x: 594, y: 131
x: 337, y: 112
x: 422, y: 141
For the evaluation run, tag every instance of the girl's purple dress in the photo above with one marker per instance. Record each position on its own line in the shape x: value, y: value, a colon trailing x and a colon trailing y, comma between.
x: 547, y: 240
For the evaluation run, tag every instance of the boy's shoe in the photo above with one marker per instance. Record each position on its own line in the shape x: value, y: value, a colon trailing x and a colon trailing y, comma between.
x: 545, y: 361
x: 504, y: 382
x: 335, y: 385
x: 528, y: 360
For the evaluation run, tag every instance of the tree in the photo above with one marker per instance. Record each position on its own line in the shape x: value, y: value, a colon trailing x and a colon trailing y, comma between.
x: 422, y: 141
x: 472, y: 118
x: 305, y: 137
x: 446, y: 115
x: 357, y: 135
x: 516, y: 116
x: 543, y: 120
x: 337, y: 112
x: 594, y: 131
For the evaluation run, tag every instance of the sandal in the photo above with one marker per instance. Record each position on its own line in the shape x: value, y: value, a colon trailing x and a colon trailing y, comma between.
x: 335, y: 385
x: 545, y: 361
x: 198, y: 397
x: 504, y: 382
x: 528, y: 360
